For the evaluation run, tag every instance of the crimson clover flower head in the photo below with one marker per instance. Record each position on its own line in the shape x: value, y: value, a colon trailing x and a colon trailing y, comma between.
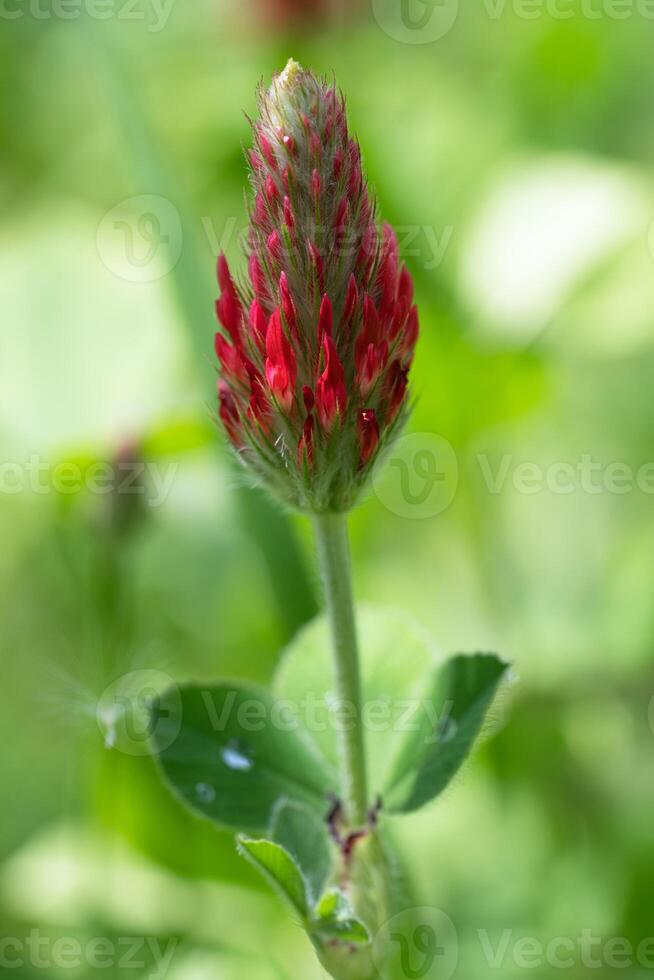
x: 317, y: 340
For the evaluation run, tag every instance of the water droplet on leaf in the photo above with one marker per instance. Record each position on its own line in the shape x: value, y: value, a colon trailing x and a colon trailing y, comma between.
x: 205, y: 792
x: 235, y: 756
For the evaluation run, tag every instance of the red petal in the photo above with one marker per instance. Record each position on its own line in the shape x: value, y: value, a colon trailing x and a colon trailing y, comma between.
x: 288, y: 307
x: 229, y: 413
x: 281, y: 368
x: 331, y: 395
x: 368, y: 434
x: 289, y: 220
x: 351, y: 301
x: 405, y: 286
x: 267, y: 151
x: 305, y: 444
x: 231, y: 360
x: 258, y: 324
x: 325, y: 318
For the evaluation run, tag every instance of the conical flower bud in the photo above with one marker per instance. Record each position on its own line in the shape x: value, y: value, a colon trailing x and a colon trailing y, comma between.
x: 317, y: 341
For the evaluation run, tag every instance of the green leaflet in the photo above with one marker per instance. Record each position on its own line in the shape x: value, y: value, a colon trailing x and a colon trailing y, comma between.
x: 226, y: 751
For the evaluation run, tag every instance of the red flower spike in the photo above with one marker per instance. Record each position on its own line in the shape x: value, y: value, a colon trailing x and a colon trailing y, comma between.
x: 281, y: 369
x: 319, y: 359
x: 368, y: 429
x: 331, y: 394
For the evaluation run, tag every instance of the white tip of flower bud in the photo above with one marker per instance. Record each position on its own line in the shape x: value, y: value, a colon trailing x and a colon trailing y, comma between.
x: 284, y: 79
x: 280, y: 90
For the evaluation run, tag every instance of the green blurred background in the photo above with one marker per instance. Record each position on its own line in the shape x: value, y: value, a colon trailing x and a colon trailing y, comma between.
x: 514, y: 150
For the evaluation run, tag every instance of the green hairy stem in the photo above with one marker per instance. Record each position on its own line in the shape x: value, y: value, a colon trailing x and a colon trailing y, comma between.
x: 334, y: 555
